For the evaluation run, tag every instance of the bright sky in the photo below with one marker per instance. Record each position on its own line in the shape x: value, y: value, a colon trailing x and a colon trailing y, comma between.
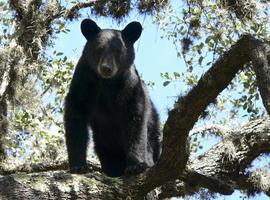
x: 153, y: 56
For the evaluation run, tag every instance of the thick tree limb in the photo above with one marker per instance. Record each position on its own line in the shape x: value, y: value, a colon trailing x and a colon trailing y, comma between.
x: 261, y: 60
x: 187, y: 109
x: 255, y: 182
x: 223, y: 162
x: 236, y: 152
x: 191, y: 183
x: 185, y: 114
x: 228, y: 160
x: 59, y: 185
x: 219, y: 170
x: 42, y: 167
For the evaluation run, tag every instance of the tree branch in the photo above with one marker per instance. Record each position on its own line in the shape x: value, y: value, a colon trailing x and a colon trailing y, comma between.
x: 191, y: 183
x: 260, y: 60
x: 42, y: 167
x: 228, y: 159
x: 34, y: 3
x: 254, y: 183
x: 221, y: 170
x: 18, y: 7
x: 59, y: 185
x: 184, y: 115
x: 216, y: 130
x: 187, y: 109
x: 74, y: 10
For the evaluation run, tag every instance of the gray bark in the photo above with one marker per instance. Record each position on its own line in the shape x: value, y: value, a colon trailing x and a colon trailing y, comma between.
x: 221, y: 169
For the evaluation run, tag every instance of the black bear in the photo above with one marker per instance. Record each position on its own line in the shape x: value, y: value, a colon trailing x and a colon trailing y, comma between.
x: 107, y: 95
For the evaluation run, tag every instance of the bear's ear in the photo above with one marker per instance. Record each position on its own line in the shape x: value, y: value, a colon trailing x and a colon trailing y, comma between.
x: 89, y: 28
x: 132, y: 32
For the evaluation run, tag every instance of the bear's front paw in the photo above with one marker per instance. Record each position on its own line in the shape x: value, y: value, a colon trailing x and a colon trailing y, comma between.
x: 135, y: 169
x: 79, y: 169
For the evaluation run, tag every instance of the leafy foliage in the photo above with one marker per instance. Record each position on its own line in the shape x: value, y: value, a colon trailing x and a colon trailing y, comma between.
x: 36, y: 93
x: 34, y: 87
x: 201, y: 32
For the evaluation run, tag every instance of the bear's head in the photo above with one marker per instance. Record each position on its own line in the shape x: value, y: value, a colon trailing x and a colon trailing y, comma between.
x: 109, y: 52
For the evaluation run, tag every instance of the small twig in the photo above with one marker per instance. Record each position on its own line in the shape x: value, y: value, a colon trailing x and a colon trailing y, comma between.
x: 73, y: 11
x: 217, y: 130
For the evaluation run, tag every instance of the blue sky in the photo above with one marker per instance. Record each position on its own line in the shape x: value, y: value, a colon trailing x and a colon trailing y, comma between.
x: 153, y: 56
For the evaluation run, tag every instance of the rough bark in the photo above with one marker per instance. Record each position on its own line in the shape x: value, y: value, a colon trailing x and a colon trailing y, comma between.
x: 187, y: 109
x: 221, y: 169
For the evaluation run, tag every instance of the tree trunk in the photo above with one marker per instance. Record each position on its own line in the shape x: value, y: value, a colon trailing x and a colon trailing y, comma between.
x: 221, y: 170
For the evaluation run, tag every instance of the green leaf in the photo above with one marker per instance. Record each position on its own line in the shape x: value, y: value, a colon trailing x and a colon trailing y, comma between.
x: 200, y: 60
x: 166, y: 83
x: 59, y: 54
x: 176, y: 75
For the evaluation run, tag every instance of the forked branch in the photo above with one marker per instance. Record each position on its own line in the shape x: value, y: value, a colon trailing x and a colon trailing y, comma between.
x: 188, y: 109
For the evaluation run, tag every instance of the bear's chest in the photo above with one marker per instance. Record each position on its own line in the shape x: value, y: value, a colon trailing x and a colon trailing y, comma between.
x: 105, y: 100
x: 110, y: 110
x: 106, y: 112
x: 107, y: 124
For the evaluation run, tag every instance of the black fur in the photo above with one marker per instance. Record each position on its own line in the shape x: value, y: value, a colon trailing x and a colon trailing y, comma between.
x: 107, y: 95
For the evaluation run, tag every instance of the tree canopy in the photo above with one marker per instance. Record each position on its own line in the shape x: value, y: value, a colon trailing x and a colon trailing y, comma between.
x: 225, y: 47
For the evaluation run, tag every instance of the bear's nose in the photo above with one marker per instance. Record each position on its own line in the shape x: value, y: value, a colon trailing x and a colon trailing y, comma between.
x: 106, y: 70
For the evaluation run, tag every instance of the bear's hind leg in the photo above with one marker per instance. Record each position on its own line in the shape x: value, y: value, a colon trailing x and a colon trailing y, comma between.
x: 112, y: 164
